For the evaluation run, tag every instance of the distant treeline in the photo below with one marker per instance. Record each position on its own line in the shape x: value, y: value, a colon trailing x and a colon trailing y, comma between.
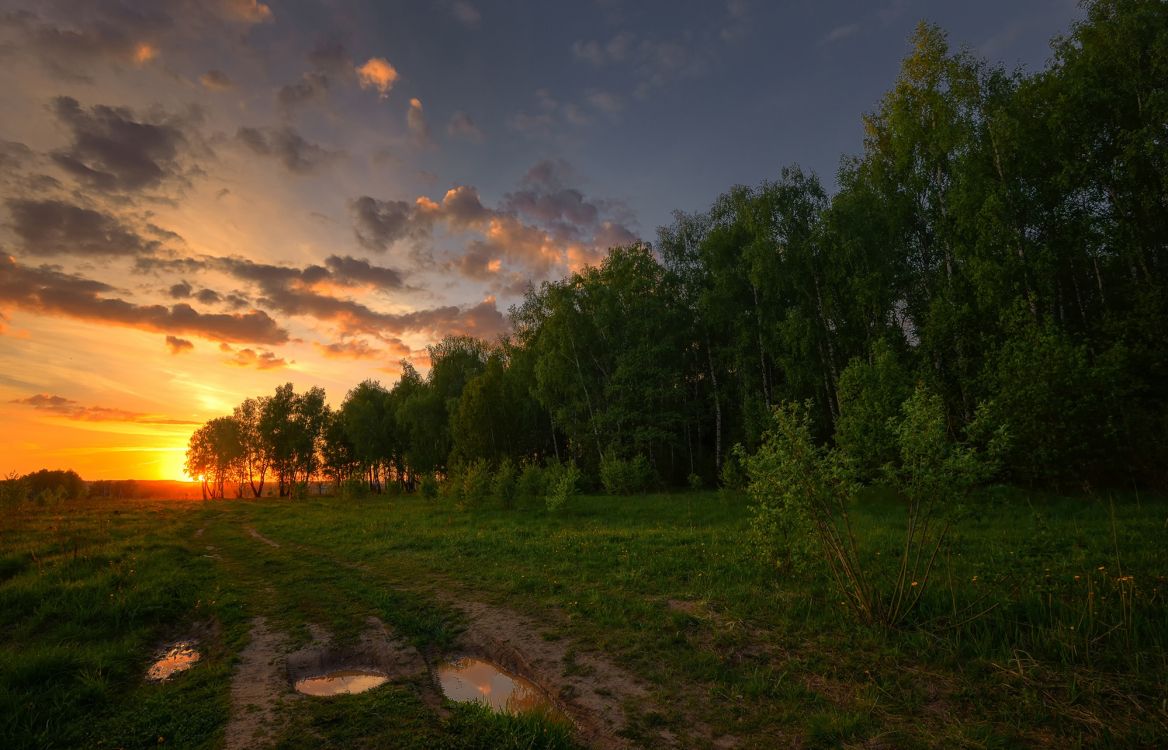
x: 1001, y: 241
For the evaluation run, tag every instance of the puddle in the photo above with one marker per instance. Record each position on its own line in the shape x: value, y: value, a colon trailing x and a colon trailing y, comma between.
x: 468, y: 680
x: 177, y: 658
x: 341, y: 682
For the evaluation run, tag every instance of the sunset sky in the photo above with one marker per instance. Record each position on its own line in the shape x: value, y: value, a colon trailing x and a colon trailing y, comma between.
x: 202, y: 200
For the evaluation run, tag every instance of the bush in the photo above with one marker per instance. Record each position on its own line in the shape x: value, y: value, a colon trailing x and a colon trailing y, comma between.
x: 695, y: 482
x: 532, y: 480
x: 625, y: 476
x: 563, y: 484
x: 475, y: 483
x: 428, y: 487
x: 803, y: 493
x: 733, y: 473
x: 504, y: 486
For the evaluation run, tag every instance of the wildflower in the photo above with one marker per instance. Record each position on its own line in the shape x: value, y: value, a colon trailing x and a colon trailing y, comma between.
x: 914, y: 583
x: 974, y: 579
x: 1076, y: 578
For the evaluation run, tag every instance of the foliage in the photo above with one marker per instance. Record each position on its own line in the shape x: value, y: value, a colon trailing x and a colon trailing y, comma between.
x: 734, y: 469
x: 563, y: 484
x: 47, y: 484
x: 870, y: 397
x: 804, y: 497
x: 428, y: 487
x: 695, y: 482
x: 505, y: 483
x: 532, y: 481
x: 628, y: 476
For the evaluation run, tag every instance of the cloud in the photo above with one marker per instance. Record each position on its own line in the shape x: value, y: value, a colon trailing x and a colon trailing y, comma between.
x: 379, y: 224
x: 288, y: 147
x: 331, y: 56
x: 391, y: 349
x: 112, y: 149
x: 216, y: 80
x: 70, y: 38
x: 615, y: 50
x: 53, y: 227
x: 467, y: 14
x: 462, y: 126
x: 416, y: 121
x: 605, y: 101
x: 247, y: 11
x: 737, y: 21
x: 181, y: 290
x: 310, y: 86
x: 353, y: 271
x: 840, y: 33
x: 261, y: 360
x: 177, y: 345
x: 377, y: 73
x: 49, y: 291
x: 70, y: 409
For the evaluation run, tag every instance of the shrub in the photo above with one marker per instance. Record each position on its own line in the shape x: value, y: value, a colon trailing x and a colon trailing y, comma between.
x: 695, y: 482
x: 58, y: 484
x: 563, y: 484
x: 733, y: 473
x: 803, y: 493
x: 475, y: 482
x: 428, y: 487
x: 532, y: 480
x: 625, y: 476
x: 504, y: 485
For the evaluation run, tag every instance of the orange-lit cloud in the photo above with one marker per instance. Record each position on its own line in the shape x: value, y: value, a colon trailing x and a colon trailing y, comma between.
x: 377, y: 73
x: 70, y: 409
x: 261, y: 360
x: 144, y: 52
x: 177, y: 345
x: 48, y: 291
x: 393, y: 349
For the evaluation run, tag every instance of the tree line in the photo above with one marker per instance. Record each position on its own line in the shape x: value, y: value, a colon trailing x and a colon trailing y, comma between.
x: 1000, y: 242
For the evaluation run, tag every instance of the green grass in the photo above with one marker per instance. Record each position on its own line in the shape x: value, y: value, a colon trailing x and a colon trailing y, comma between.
x: 1070, y: 651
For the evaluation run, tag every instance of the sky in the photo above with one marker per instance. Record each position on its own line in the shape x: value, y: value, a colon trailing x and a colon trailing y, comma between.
x: 201, y: 200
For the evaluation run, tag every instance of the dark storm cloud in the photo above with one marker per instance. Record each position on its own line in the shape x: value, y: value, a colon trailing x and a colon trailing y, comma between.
x: 379, y: 224
x: 49, y: 291
x: 291, y: 291
x: 70, y: 409
x: 113, y: 149
x: 53, y: 227
x: 286, y: 146
x: 349, y: 270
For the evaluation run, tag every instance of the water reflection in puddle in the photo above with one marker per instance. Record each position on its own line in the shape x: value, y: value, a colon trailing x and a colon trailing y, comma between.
x: 176, y: 658
x: 341, y: 682
x: 469, y: 680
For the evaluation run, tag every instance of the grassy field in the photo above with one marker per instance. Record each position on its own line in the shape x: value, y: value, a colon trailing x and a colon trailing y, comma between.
x: 1046, y: 624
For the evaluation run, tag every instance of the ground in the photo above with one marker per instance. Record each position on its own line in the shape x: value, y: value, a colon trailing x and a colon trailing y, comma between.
x: 649, y: 621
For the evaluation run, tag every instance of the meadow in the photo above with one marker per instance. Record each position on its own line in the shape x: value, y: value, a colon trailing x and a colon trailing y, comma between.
x: 1046, y: 624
